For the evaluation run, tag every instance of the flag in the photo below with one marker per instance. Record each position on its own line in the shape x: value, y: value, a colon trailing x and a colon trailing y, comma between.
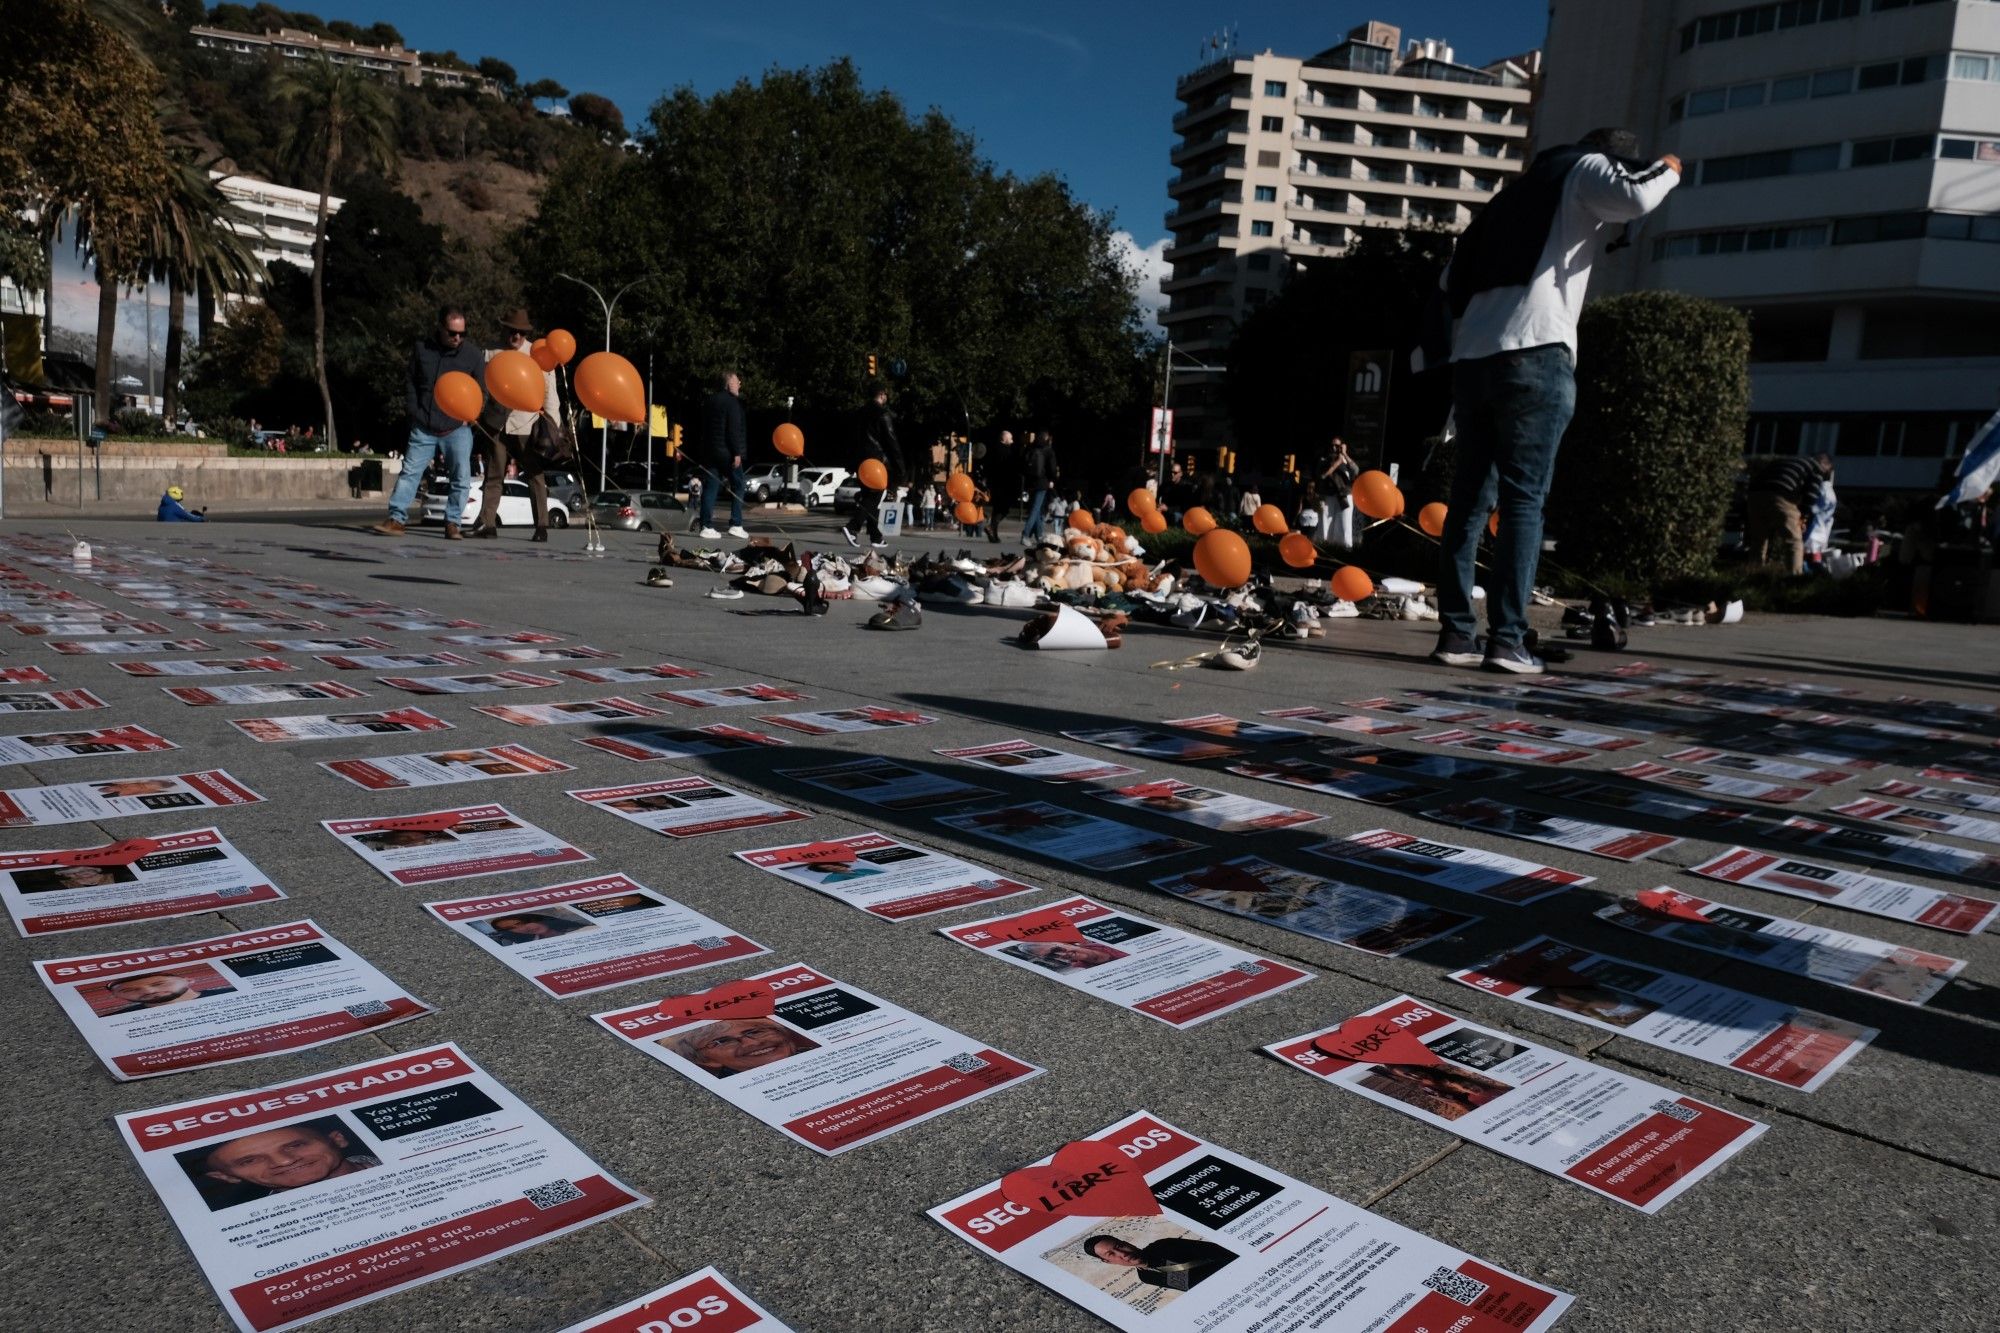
x: 1980, y: 467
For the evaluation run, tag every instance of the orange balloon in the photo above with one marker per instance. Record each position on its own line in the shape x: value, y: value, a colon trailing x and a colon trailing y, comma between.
x: 1222, y: 558
x: 515, y: 381
x: 788, y: 440
x: 1270, y: 520
x: 1375, y: 494
x: 1431, y: 518
x: 874, y: 474
x: 959, y: 487
x: 1198, y: 521
x: 564, y: 346
x: 1297, y: 550
x: 1141, y: 502
x: 1493, y: 523
x: 1081, y: 519
x: 1352, y: 584
x: 609, y: 386
x: 1401, y: 503
x: 543, y: 355
x: 968, y: 512
x: 458, y: 395
x: 1155, y: 522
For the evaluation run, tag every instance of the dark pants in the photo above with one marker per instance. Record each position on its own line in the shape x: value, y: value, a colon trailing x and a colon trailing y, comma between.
x: 1511, y: 410
x: 711, y: 482
x: 868, y: 514
x: 494, y: 453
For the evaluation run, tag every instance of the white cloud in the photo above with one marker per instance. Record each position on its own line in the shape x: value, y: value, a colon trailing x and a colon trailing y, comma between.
x: 1150, y: 262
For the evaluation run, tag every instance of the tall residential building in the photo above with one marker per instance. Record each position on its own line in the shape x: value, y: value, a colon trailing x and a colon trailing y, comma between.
x: 1842, y: 187
x: 1283, y: 159
x: 397, y: 64
x: 277, y: 220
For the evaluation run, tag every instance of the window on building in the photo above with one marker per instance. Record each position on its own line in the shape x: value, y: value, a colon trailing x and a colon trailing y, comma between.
x: 1882, y: 75
x: 1258, y: 263
x: 1976, y: 68
x: 1274, y: 124
x: 1746, y: 94
x: 1779, y: 162
x: 1260, y: 229
x: 1962, y: 149
x: 1274, y: 88
x: 1833, y: 83
x: 1903, y: 148
x: 1266, y: 194
x: 1791, y: 88
x: 1707, y: 102
x: 1267, y: 158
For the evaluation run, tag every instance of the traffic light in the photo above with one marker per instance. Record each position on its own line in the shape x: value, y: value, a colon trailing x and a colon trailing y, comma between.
x: 871, y: 365
x: 674, y: 442
x: 1291, y: 464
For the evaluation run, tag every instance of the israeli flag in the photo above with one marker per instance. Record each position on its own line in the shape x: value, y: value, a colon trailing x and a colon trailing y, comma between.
x: 1980, y: 467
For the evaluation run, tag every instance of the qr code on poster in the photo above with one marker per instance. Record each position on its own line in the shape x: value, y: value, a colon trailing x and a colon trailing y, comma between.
x: 967, y: 1063
x: 1250, y: 968
x: 552, y: 1195
x: 710, y: 942
x: 1675, y: 1111
x: 367, y: 1009
x: 1465, y: 1290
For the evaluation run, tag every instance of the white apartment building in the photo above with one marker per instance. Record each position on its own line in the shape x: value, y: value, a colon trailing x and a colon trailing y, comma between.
x: 396, y: 64
x: 276, y: 219
x: 1843, y: 188
x: 1283, y: 159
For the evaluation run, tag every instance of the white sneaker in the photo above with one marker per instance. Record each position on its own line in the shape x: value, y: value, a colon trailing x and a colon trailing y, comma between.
x: 726, y: 594
x: 709, y: 534
x: 1342, y: 611
x: 736, y: 531
x: 852, y: 540
x: 878, y: 546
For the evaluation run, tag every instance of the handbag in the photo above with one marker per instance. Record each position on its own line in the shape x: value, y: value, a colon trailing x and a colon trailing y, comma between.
x: 548, y: 445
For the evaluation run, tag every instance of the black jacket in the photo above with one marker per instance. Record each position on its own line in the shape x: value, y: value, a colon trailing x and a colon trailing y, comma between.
x: 878, y: 440
x: 723, y: 432
x: 1038, y: 464
x: 429, y: 361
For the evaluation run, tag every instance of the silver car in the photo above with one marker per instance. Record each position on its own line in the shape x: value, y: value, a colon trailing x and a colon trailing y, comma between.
x: 636, y: 511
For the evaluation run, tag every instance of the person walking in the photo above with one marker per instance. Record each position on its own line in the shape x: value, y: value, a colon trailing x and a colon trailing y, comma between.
x: 878, y: 442
x: 1512, y: 292
x: 1003, y: 483
x: 1336, y: 490
x: 433, y: 435
x: 1038, y: 471
x: 720, y: 452
x: 514, y: 438
x: 1782, y: 492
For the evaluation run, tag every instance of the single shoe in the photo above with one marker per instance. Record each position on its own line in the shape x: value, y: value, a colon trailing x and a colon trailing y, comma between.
x: 1512, y: 659
x: 709, y: 535
x: 541, y: 535
x: 1011, y: 592
x: 389, y: 527
x: 726, y: 594
x: 878, y: 546
x: 1416, y: 608
x: 486, y: 530
x: 898, y: 615
x: 1342, y: 611
x: 1459, y: 650
x: 852, y: 540
x: 657, y: 577
x: 738, y: 531
x: 1239, y: 657
x: 452, y: 534
x: 812, y: 594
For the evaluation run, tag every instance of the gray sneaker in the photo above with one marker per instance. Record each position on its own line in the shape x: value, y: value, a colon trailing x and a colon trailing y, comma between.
x: 1513, y: 659
x: 1459, y: 650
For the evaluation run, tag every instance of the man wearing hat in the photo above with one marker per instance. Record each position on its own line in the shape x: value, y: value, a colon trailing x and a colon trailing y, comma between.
x: 171, y: 510
x: 508, y: 435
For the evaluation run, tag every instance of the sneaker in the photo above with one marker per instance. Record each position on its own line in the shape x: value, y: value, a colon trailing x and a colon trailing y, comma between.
x: 1342, y: 611
x: 709, y: 534
x: 738, y: 531
x: 898, y: 615
x: 726, y: 594
x: 878, y: 546
x: 1240, y: 657
x: 1513, y: 659
x: 852, y: 540
x: 657, y: 577
x: 1457, y: 650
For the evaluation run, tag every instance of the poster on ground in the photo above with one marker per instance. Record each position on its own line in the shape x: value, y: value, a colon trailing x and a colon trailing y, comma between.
x: 442, y: 767
x: 1349, y: 784
x: 842, y: 721
x: 305, y: 1198
x: 362, y: 644
x: 593, y: 934
x: 823, y: 1062
x: 1155, y: 1230
x: 115, y: 647
x: 45, y: 746
x: 49, y: 701
x: 116, y: 798
x: 1574, y: 737
x: 1120, y: 957
x: 1714, y: 784
x: 1852, y: 889
x: 1223, y: 811
x: 889, y: 784
x: 1416, y: 707
x: 1351, y: 723
x: 1933, y: 858
x: 1237, y: 731
x: 485, y: 683
x: 210, y: 696
x: 574, y: 653
x: 254, y: 993
x: 731, y: 696
x: 1759, y: 766
x: 568, y: 715
x: 885, y: 876
x: 1144, y: 742
x: 1970, y: 827
x: 339, y: 726
x: 1024, y: 758
x: 1504, y: 747
x: 1765, y: 1039
x: 1367, y: 920
x: 1579, y: 835
x: 138, y: 879
x: 203, y: 666
x: 1619, y: 1136
x: 630, y: 675
x: 689, y: 807
x: 644, y: 744
x: 1951, y: 796
x: 391, y: 661
x: 1446, y: 865
x: 442, y: 845
x: 497, y: 640
x: 706, y: 1300
x: 1067, y: 836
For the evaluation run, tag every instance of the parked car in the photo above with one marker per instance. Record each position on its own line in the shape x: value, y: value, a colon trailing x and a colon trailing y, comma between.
x: 637, y: 511
x: 517, y: 506
x: 816, y: 487
x: 763, y: 483
x: 848, y: 492
x: 567, y: 488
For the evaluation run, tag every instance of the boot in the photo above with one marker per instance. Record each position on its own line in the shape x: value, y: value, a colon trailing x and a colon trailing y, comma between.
x: 541, y: 535
x: 451, y: 532
x: 388, y: 527
x: 486, y: 530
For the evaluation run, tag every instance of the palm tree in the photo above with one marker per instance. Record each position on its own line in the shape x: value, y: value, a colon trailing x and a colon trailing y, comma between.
x: 337, y: 112
x: 110, y: 231
x: 191, y: 246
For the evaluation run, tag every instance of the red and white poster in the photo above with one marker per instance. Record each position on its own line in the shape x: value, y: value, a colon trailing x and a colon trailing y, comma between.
x: 442, y: 845
x: 1446, y: 865
x: 1154, y: 1230
x: 1028, y: 760
x: 339, y: 726
x: 421, y: 623
x: 1068, y: 836
x: 306, y: 1198
x: 209, y: 696
x: 1794, y: 1047
x: 687, y: 807
x: 1349, y: 784
x: 1852, y: 962
x: 49, y: 701
x: 623, y: 675
x: 391, y: 661
x: 1573, y: 737
x: 476, y: 684
x: 1714, y: 784
x: 1970, y: 827
x: 1324, y: 909
x: 1951, y: 796
x: 1223, y: 811
x: 113, y: 647
x: 1415, y: 707
x: 440, y: 768
x: 1125, y: 959
x: 706, y: 1300
x: 139, y: 879
x: 1579, y: 835
x: 1853, y: 889
x: 1624, y: 1138
x: 498, y: 640
x: 43, y: 746
x: 824, y: 1063
x: 731, y: 696
x: 362, y: 644
x: 1760, y: 766
x: 116, y: 798
x: 91, y: 627
x: 888, y: 784
x: 841, y: 721
x: 255, y: 993
x: 1651, y: 801
x: 593, y: 934
x: 643, y: 744
x: 1142, y: 741
x: 254, y: 625
x: 1504, y: 747
x: 1933, y: 858
x: 884, y: 876
x: 575, y: 653
x: 1424, y: 764
x: 203, y: 666
x: 1237, y: 731
x: 1350, y: 723
x: 567, y: 715
x: 25, y: 675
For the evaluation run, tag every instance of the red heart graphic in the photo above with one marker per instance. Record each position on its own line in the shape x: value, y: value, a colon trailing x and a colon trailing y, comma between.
x: 1673, y: 903
x: 1146, y: 791
x: 1372, y: 1039
x: 1226, y: 878
x: 1084, y: 1179
x: 811, y: 852
x: 1061, y: 931
x: 732, y: 999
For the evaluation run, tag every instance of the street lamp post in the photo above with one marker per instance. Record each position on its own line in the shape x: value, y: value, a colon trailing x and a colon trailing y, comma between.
x: 604, y: 438
x: 1166, y: 402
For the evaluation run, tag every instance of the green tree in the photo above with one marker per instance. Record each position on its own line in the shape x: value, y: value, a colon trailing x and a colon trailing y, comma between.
x: 544, y: 90
x: 190, y: 247
x: 500, y: 72
x: 339, y: 114
x: 598, y: 113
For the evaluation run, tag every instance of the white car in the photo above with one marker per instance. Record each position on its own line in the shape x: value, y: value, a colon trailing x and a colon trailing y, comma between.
x: 818, y: 484
x: 517, y: 506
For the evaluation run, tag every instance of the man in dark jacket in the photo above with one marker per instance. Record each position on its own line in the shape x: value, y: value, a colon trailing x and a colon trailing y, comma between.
x: 1038, y: 472
x: 432, y: 433
x: 878, y: 441
x: 719, y: 452
x: 1782, y: 492
x: 1003, y: 482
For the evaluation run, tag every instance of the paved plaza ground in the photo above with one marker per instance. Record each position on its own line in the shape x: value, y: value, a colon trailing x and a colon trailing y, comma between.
x: 1871, y: 1204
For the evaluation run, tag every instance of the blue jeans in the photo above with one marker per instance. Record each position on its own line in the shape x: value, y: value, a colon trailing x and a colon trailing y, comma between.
x: 457, y: 450
x: 1512, y: 410
x: 711, y: 482
x: 1031, y: 526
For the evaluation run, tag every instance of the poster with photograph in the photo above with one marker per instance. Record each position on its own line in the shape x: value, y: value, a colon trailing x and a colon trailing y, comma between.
x: 1446, y: 865
x: 567, y: 715
x: 1067, y: 836
x: 1437, y: 767
x: 1579, y: 835
x: 1951, y: 796
x: 593, y: 934
x: 885, y: 876
x: 1970, y: 827
x: 823, y: 1062
x: 630, y: 675
x: 202, y: 666
x: 306, y: 1198
x: 113, y: 647
x: 889, y: 784
x: 484, y: 683
x: 91, y: 627
x: 49, y: 701
x: 1223, y: 811
x: 418, y: 624
x: 1622, y: 1137
x: 1351, y: 723
x: 643, y: 744
x: 1236, y: 731
x: 731, y: 696
x: 1760, y: 766
x: 1601, y: 687
x: 1650, y: 801
x: 339, y: 726
x: 840, y: 721
x: 1415, y: 706
x: 1802, y: 748
x: 210, y: 696
x: 251, y: 625
x: 1142, y: 741
x: 1026, y: 759
x: 1349, y: 784
x: 575, y: 653
x: 688, y: 807
x: 1120, y: 957
x: 1366, y: 920
x: 1154, y: 1230
x: 138, y: 879
x: 1967, y: 769
x: 355, y: 645
x: 707, y: 1299
x: 44, y: 746
x: 1714, y: 784
x: 1794, y: 1047
x: 242, y: 996
x: 442, y: 767
x: 391, y: 661
x: 1852, y: 889
x: 116, y: 798
x: 442, y: 845
x: 1932, y: 858
x: 1572, y: 737
x: 1504, y: 746
x: 1852, y: 962
x: 28, y: 675
x: 497, y: 640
